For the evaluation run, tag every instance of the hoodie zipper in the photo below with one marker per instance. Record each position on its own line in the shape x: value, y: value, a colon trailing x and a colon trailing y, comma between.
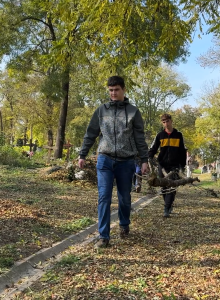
x: 115, y: 131
x: 168, y: 148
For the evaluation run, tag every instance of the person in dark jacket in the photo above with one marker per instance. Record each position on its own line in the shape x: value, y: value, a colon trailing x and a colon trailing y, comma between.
x: 120, y: 128
x: 172, y: 156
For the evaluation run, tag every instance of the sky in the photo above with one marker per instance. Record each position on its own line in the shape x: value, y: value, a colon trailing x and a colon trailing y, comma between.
x: 197, y: 77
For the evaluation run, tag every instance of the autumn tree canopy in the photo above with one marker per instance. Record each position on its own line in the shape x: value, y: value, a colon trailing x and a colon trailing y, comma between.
x: 59, y: 39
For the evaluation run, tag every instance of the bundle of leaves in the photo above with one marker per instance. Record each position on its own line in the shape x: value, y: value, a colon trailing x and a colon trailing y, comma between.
x: 59, y: 174
x: 72, y: 172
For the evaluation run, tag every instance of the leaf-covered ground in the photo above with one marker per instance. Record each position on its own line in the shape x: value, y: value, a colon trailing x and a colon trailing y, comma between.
x: 37, y: 211
x: 163, y: 258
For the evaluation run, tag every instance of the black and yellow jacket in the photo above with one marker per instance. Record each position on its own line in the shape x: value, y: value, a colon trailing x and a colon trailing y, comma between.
x: 172, y: 149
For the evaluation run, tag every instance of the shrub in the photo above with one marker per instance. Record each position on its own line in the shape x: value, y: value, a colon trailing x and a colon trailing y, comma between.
x: 13, y: 156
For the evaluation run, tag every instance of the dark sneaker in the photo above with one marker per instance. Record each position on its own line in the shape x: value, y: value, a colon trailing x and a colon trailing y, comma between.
x: 124, y: 231
x: 138, y: 189
x: 102, y: 243
x: 171, y: 209
x: 166, y: 213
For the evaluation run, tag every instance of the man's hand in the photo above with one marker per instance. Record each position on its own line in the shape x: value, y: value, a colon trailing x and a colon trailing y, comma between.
x: 145, y: 168
x: 81, y: 163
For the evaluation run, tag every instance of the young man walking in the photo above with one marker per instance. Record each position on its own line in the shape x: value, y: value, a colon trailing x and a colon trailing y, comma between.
x: 120, y: 128
x: 172, y: 156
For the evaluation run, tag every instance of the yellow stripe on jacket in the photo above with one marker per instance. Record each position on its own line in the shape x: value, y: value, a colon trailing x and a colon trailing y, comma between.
x: 170, y: 142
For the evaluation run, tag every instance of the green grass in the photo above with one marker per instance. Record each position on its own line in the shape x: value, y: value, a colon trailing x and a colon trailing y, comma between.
x: 50, y: 276
x: 172, y: 297
x: 78, y: 224
x: 216, y: 251
x: 68, y: 260
x: 7, y: 254
x: 197, y: 171
x: 207, y: 182
x: 6, y: 262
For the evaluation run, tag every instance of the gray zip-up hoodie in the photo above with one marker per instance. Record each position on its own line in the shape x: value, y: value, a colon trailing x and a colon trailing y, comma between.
x: 120, y: 128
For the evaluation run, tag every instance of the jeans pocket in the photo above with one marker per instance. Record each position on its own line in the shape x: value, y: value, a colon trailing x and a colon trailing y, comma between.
x: 102, y: 161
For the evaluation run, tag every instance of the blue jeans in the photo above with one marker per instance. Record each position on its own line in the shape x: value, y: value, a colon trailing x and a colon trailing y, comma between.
x: 122, y: 171
x: 138, y: 179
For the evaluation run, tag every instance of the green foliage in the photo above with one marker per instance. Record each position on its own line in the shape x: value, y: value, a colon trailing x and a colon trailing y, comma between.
x: 79, y: 124
x: 116, y: 34
x: 25, y: 110
x: 132, y: 30
x: 48, y: 38
x: 50, y: 276
x: 208, y: 183
x: 207, y: 126
x: 74, y: 154
x: 2, y: 139
x: 78, y: 224
x: 171, y: 297
x: 51, y: 86
x: 6, y: 262
x: 91, y: 40
x: 68, y: 260
x: 202, y: 11
x: 14, y: 156
x: 39, y: 157
x: 184, y: 120
x: 9, y: 156
x: 155, y: 89
x: 216, y: 251
x: 197, y: 171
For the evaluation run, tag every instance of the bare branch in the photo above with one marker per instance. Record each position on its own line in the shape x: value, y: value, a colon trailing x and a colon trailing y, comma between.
x: 35, y: 19
x: 165, y: 182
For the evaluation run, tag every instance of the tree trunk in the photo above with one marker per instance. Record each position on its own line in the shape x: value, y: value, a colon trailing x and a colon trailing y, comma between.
x: 31, y: 138
x: 1, y: 123
x: 49, y: 111
x: 25, y: 136
x: 60, y: 138
x: 50, y: 138
x: 11, y: 121
x: 2, y: 138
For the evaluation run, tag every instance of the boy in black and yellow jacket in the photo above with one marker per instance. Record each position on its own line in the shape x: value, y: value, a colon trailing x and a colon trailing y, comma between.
x: 172, y: 156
